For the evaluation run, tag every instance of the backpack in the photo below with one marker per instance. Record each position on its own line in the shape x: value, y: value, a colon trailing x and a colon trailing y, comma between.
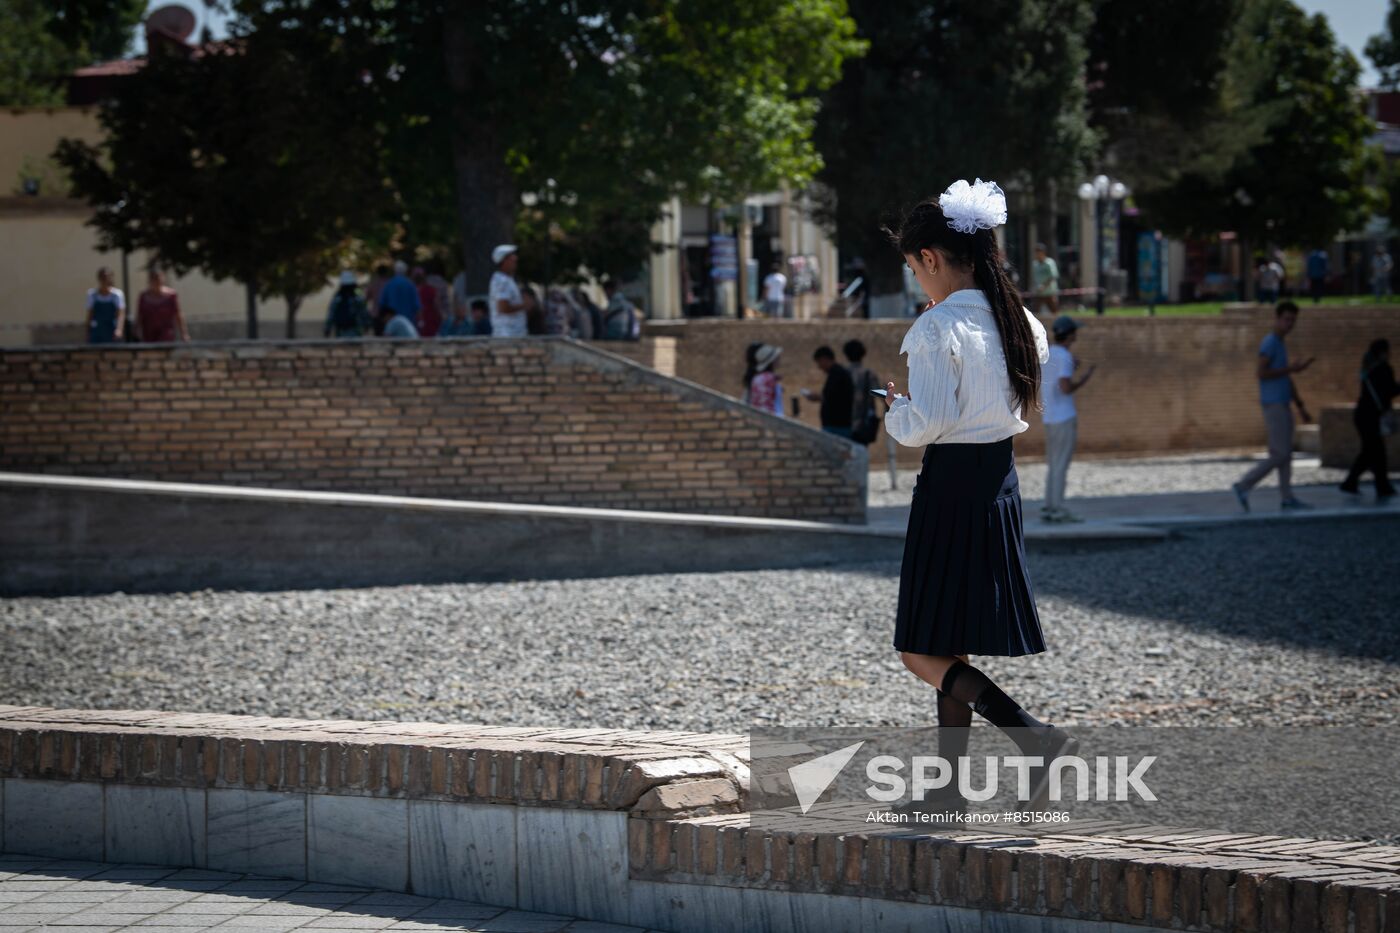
x: 345, y: 315
x: 866, y: 427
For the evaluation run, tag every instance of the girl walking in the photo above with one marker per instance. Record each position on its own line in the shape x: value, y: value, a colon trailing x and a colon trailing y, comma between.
x: 974, y: 361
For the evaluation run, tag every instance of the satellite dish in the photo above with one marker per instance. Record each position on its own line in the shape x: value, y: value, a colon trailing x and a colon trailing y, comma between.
x: 175, y: 21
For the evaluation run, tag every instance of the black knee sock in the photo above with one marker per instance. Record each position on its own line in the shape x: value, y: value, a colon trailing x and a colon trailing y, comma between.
x: 967, y: 684
x: 954, y: 720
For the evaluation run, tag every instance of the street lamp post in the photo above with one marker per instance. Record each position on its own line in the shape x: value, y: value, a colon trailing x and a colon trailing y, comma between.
x: 1101, y: 191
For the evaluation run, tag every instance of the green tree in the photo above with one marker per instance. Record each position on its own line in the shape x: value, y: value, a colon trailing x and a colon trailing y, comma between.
x: 950, y: 90
x: 42, y: 41
x: 1384, y: 48
x: 1160, y: 105
x: 239, y: 161
x: 601, y: 109
x: 1293, y: 158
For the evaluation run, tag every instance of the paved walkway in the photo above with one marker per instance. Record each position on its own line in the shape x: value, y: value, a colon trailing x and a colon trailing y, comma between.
x: 91, y: 897
x: 1176, y: 499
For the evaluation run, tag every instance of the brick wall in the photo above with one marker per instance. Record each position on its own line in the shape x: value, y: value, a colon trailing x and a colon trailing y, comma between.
x: 1163, y: 384
x: 541, y: 420
x: 648, y: 829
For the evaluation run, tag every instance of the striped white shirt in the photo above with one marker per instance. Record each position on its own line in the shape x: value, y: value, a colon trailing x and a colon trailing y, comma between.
x: 959, y: 391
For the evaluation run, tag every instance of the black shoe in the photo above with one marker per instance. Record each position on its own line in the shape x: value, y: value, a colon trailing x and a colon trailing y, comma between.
x: 1054, y: 743
x: 1350, y: 490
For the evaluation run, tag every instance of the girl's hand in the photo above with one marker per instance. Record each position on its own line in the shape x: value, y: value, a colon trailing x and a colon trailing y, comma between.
x: 890, y: 394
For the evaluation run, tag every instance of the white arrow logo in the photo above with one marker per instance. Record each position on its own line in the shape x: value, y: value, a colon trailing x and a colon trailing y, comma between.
x: 811, y: 778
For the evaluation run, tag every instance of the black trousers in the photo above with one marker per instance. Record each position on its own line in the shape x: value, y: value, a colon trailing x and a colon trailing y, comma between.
x: 1372, y: 456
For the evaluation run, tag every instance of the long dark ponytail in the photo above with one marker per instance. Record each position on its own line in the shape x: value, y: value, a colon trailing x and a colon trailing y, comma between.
x: 926, y: 227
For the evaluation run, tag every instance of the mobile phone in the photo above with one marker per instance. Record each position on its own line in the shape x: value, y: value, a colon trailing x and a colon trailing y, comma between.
x: 880, y: 392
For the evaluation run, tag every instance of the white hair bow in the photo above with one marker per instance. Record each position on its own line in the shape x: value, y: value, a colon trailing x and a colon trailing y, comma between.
x: 978, y: 206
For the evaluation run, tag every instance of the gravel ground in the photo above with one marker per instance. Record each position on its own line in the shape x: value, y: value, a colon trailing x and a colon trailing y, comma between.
x: 1235, y: 625
x: 1088, y: 478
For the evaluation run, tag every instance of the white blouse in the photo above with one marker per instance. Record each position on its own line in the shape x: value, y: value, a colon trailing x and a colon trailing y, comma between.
x: 959, y: 390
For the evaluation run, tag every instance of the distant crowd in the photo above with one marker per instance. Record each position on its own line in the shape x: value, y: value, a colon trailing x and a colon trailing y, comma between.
x: 396, y: 302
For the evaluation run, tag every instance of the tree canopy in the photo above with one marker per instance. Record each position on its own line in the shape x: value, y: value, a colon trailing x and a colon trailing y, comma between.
x: 1384, y: 48
x: 240, y: 161
x: 600, y: 110
x: 42, y: 41
x: 950, y: 90
x: 1288, y: 158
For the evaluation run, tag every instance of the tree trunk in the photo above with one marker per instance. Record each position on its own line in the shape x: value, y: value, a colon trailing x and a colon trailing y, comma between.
x: 487, y: 199
x: 1045, y: 232
x: 250, y: 288
x: 293, y: 306
x: 1246, y: 268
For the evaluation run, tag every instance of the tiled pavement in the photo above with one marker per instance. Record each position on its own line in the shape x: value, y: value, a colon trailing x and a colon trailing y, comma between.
x: 91, y: 897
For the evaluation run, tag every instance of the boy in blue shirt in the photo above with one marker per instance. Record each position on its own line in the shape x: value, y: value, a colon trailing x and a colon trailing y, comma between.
x: 1276, y: 395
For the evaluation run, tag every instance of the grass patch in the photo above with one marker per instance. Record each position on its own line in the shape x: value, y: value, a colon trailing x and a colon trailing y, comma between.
x: 1210, y: 308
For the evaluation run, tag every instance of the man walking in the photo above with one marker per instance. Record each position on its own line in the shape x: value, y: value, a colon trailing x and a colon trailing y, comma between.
x: 836, y: 395
x: 1061, y: 418
x: 1276, y: 395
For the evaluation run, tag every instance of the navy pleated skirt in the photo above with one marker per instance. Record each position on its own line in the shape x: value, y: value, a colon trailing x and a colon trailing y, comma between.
x: 964, y: 587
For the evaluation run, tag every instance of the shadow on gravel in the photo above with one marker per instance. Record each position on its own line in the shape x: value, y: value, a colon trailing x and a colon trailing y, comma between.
x: 1322, y: 585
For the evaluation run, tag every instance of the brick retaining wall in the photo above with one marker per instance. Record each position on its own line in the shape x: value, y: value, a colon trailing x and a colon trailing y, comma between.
x: 1164, y: 384
x: 631, y: 827
x: 547, y: 421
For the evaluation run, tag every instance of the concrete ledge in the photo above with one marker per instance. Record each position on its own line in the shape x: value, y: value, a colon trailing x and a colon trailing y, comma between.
x: 577, y: 768
x: 65, y: 534
x: 627, y: 827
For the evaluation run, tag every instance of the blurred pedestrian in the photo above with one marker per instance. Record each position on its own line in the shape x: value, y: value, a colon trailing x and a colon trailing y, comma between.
x: 400, y: 295
x: 561, y: 315
x: 591, y: 312
x: 1374, y: 420
x: 865, y: 417
x: 481, y: 317
x: 764, y: 385
x: 347, y: 316
x: 534, y: 312
x: 106, y: 310
x: 836, y: 396
x: 1318, y: 264
x: 775, y: 291
x: 507, y: 304
x: 393, y: 324
x: 1060, y: 417
x: 460, y: 323
x: 158, y: 317
x: 1045, y: 280
x: 429, y: 309
x: 1381, y: 268
x: 1277, y: 395
x: 441, y: 286
x: 383, y: 272
x: 620, y: 320
x: 1269, y: 276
